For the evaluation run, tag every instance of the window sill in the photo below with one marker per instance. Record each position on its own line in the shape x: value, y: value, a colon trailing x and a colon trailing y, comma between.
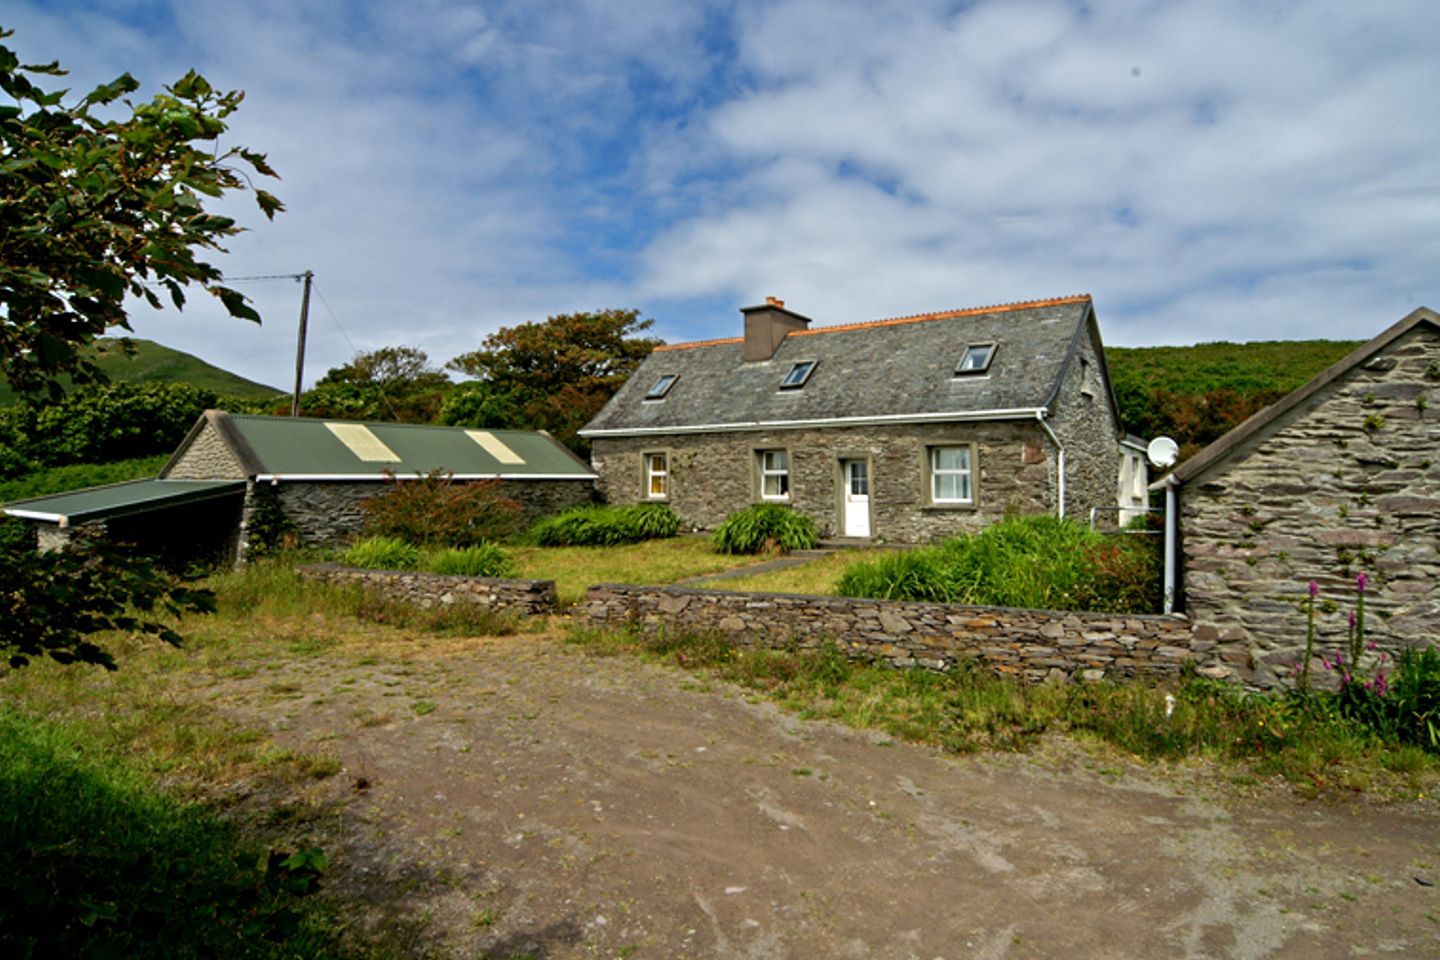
x: 948, y: 507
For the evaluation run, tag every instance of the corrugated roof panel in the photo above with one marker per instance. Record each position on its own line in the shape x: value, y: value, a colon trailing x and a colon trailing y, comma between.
x: 492, y: 445
x: 360, y: 441
x: 119, y: 499
x: 302, y: 447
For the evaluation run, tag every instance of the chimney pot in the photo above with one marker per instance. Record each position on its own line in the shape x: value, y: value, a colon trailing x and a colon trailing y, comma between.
x: 775, y: 301
x: 767, y: 325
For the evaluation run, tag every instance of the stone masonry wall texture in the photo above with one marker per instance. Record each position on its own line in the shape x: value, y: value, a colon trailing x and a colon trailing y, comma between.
x: 207, y: 458
x: 1085, y: 423
x: 713, y: 475
x: 1348, y: 482
x: 1035, y: 645
x: 521, y: 597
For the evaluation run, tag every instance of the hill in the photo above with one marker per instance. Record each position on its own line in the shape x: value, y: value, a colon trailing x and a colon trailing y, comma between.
x: 1194, y: 394
x: 152, y: 362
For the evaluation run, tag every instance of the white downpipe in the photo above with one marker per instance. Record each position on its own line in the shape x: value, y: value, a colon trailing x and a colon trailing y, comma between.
x: 1170, y: 527
x: 1059, y: 461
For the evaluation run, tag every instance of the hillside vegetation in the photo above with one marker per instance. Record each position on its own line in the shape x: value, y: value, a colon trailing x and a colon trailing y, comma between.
x: 1195, y: 394
x: 153, y: 363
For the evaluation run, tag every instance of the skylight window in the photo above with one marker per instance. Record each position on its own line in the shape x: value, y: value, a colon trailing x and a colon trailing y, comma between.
x: 662, y: 386
x: 976, y: 359
x: 798, y: 374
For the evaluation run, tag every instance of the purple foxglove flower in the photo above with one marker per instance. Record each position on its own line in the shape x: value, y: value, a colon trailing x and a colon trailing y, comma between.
x: 1314, y: 589
x: 1361, y: 582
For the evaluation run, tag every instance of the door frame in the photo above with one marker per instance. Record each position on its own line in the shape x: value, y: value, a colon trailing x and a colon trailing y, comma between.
x: 843, y: 490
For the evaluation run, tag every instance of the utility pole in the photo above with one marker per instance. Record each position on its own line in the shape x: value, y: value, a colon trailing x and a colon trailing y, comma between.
x: 308, y: 275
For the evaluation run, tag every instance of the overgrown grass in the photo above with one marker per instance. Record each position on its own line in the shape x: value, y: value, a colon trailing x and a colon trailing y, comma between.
x: 95, y: 861
x: 596, y: 525
x: 479, y: 560
x: 1036, y: 562
x: 1303, y: 740
x: 655, y: 561
x: 78, y: 476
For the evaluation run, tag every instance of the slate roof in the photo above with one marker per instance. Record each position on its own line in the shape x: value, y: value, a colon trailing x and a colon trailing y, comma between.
x: 120, y: 499
x: 1259, y: 424
x: 304, y: 448
x: 895, y: 370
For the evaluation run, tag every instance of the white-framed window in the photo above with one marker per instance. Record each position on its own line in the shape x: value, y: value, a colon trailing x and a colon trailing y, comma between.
x: 774, y: 466
x: 657, y: 476
x: 976, y: 359
x: 952, y: 475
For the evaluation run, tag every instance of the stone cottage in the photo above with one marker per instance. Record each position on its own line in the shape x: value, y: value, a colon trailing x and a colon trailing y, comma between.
x: 904, y: 430
x: 316, y: 472
x: 1338, y: 478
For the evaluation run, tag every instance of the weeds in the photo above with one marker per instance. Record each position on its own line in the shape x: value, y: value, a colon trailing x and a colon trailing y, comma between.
x: 765, y: 528
x: 1305, y: 739
x: 598, y: 526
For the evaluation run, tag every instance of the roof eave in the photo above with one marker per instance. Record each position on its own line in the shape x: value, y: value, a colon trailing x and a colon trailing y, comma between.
x: 960, y: 416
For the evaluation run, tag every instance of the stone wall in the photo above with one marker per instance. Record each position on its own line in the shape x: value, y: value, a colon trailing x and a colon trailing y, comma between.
x: 1085, y: 423
x: 713, y: 475
x: 207, y: 457
x: 332, y: 513
x: 1348, y: 481
x: 520, y: 597
x: 1032, y: 644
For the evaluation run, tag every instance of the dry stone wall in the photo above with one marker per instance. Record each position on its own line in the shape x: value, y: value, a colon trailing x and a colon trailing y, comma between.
x: 1348, y: 482
x: 520, y: 597
x: 1035, y: 645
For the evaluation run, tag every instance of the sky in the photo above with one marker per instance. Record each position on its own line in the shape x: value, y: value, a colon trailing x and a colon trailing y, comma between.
x: 1218, y: 170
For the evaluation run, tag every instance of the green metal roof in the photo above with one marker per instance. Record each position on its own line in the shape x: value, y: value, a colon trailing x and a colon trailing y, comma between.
x: 291, y: 448
x: 119, y: 499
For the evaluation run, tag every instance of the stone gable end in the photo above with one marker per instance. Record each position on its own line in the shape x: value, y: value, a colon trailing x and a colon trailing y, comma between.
x: 207, y: 457
x: 1348, y: 481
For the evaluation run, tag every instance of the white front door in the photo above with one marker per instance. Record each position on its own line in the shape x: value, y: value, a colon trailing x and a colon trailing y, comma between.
x: 857, y: 497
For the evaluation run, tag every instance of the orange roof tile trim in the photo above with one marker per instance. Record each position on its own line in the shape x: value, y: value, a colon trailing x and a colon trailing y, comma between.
x: 897, y: 321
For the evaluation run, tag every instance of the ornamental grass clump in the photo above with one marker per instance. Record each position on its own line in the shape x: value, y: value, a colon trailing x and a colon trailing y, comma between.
x: 479, y: 560
x: 594, y: 525
x: 765, y: 528
x: 382, y: 553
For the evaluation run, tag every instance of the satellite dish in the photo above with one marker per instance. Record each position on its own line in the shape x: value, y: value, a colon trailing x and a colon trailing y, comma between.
x: 1162, y: 452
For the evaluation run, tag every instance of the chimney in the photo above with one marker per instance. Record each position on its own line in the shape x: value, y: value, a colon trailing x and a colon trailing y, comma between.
x: 767, y: 325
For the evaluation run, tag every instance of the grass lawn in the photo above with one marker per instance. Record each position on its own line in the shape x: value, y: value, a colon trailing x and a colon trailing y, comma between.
x: 653, y: 562
x: 815, y: 578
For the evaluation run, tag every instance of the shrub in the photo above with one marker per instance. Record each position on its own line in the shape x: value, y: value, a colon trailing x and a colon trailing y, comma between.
x: 477, y: 560
x: 765, y: 527
x: 435, y: 510
x: 1037, y: 562
x: 1403, y: 707
x: 383, y: 553
x: 599, y: 526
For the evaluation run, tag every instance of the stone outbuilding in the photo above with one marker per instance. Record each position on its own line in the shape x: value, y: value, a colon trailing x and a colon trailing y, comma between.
x: 1339, y: 478
x: 232, y: 469
x: 899, y: 430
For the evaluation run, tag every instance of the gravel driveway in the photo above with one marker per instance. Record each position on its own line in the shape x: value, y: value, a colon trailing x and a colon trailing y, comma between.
x: 517, y: 798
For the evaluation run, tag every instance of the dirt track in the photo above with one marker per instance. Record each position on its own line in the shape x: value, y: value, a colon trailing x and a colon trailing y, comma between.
x: 555, y: 805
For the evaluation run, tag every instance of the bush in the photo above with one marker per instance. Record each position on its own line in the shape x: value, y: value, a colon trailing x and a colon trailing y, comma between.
x: 383, y: 553
x: 1401, y: 708
x: 602, y: 526
x: 765, y: 527
x: 1036, y: 562
x: 435, y: 510
x: 479, y: 560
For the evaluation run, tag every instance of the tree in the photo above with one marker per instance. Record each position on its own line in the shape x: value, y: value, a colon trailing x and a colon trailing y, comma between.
x: 391, y: 383
x: 96, y: 204
x: 556, y: 375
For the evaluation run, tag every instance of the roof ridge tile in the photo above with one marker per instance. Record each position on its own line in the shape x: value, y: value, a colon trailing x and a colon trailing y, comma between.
x: 898, y: 321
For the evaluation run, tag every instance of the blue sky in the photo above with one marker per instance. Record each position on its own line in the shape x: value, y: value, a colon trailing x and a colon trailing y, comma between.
x: 1217, y: 170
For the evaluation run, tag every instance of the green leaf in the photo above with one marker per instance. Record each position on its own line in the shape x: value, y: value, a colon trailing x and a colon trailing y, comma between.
x: 235, y: 303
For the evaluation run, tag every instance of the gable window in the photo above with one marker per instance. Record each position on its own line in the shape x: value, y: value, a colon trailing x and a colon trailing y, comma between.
x: 662, y: 386
x: 952, y: 475
x: 774, y: 474
x: 657, y: 476
x: 976, y: 359
x: 798, y: 374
